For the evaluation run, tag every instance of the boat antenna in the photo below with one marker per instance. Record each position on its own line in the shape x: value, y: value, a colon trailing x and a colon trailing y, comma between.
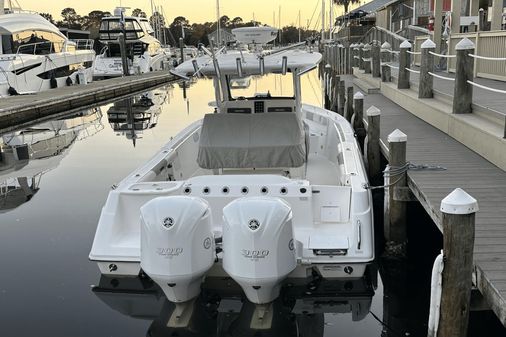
x: 218, y: 22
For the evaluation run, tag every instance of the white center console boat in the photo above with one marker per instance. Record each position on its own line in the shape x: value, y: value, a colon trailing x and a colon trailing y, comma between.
x: 263, y: 189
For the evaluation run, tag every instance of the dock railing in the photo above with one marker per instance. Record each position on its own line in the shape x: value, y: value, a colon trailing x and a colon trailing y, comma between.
x: 490, y: 46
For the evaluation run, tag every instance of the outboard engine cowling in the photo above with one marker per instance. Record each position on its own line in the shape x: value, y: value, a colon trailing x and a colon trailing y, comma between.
x: 177, y: 244
x: 258, y: 245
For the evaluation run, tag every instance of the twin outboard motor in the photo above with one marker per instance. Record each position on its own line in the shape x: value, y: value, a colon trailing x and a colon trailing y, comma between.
x: 258, y: 245
x: 177, y: 244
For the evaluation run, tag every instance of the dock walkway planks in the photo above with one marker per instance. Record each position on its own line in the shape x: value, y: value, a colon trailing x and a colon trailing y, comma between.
x: 466, y: 169
x: 18, y: 110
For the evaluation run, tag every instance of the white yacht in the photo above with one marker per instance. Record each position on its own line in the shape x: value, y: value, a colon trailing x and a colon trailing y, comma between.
x: 36, y: 56
x: 264, y: 189
x: 145, y: 52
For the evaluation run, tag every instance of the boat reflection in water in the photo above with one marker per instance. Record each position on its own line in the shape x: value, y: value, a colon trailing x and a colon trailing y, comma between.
x: 131, y: 116
x: 27, y: 154
x: 222, y: 310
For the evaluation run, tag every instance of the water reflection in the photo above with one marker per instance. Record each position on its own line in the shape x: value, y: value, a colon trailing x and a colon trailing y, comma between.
x: 222, y: 310
x: 27, y: 154
x: 131, y: 116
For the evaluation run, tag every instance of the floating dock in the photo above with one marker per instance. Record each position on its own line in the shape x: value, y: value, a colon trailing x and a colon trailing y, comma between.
x: 20, y: 110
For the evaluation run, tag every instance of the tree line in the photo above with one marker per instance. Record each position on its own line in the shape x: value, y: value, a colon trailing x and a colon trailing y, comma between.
x: 192, y: 33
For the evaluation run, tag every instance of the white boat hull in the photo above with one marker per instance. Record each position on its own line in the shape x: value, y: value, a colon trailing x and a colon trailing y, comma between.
x: 332, y: 211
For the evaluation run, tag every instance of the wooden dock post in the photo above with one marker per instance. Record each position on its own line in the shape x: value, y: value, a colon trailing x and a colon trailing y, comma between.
x: 427, y: 65
x: 464, y: 70
x: 341, y: 97
x: 334, y: 96
x: 123, y: 52
x: 376, y: 62
x: 327, y: 90
x: 395, y: 210
x: 404, y: 62
x: 354, y: 55
x: 367, y: 59
x: 372, y: 140
x: 361, y: 56
x: 386, y: 57
x: 458, y: 219
x: 348, y: 111
x: 358, y: 104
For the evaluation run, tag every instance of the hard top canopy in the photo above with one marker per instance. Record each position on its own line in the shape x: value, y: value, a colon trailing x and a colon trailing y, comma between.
x: 250, y: 63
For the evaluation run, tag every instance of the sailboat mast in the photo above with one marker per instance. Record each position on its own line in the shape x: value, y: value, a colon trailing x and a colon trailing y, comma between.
x: 299, y: 26
x: 218, y: 21
x: 323, y: 19
x: 279, y: 24
x: 331, y: 18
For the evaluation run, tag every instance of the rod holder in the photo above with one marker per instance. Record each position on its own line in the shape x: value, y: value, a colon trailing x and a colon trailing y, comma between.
x: 284, y: 65
x: 239, y: 67
x: 261, y: 64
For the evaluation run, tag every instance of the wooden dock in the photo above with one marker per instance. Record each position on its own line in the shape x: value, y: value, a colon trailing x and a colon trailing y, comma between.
x: 465, y: 169
x: 20, y: 110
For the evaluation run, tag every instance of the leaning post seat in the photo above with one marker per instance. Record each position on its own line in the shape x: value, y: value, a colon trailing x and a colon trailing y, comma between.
x: 236, y: 141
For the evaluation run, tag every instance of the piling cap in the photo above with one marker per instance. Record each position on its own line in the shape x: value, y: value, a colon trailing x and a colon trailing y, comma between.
x: 464, y: 44
x: 353, y: 45
x: 340, y: 45
x: 386, y: 45
x: 459, y: 202
x: 397, y: 136
x: 428, y: 44
x: 328, y: 66
x: 358, y: 95
x: 405, y: 44
x: 367, y: 46
x: 373, y: 111
x: 360, y: 45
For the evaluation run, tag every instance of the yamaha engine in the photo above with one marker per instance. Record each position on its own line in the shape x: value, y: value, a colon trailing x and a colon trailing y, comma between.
x: 177, y: 244
x: 258, y: 246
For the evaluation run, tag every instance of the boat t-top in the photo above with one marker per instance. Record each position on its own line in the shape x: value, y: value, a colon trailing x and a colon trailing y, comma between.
x: 144, y: 52
x: 35, y: 56
x: 262, y: 190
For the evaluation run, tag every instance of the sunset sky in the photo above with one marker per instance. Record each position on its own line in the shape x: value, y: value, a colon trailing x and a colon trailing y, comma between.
x: 195, y: 10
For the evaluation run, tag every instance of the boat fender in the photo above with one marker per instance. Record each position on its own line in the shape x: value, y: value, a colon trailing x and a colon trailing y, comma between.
x: 13, y: 92
x: 69, y: 82
x: 52, y: 82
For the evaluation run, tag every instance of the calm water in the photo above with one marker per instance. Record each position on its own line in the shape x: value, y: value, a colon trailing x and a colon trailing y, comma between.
x: 50, y: 205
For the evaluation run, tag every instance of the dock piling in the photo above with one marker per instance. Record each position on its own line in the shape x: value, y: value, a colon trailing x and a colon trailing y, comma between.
x: 367, y: 59
x: 123, y: 52
x: 404, y: 62
x: 372, y: 140
x: 361, y: 56
x: 348, y: 112
x: 396, y: 180
x: 427, y: 65
x: 458, y: 219
x: 341, y: 97
x: 181, y: 48
x: 385, y: 58
x: 326, y: 85
x: 376, y: 60
x: 464, y: 69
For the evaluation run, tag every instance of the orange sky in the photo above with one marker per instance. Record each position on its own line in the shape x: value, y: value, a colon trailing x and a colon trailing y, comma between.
x: 196, y: 10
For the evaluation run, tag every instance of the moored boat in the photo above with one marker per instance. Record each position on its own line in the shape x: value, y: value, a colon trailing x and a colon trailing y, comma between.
x: 263, y: 189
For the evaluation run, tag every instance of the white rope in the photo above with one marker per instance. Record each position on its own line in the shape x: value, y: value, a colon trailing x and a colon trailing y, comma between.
x: 414, y: 52
x: 356, y: 57
x: 366, y: 59
x: 412, y: 71
x: 488, y: 58
x: 486, y: 88
x: 391, y: 66
x: 442, y: 55
x: 441, y: 77
x: 392, y: 51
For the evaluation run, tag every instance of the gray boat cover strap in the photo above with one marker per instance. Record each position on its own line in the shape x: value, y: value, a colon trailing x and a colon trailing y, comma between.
x: 263, y: 140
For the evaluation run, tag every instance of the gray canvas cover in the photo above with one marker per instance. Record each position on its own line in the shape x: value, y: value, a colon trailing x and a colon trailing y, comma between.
x: 263, y: 140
